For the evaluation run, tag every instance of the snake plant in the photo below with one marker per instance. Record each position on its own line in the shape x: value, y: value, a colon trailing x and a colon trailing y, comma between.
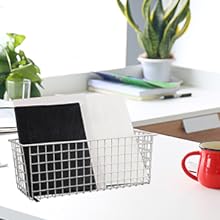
x: 163, y: 26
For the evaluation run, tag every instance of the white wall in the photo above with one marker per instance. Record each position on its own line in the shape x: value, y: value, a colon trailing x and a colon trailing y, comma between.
x: 68, y: 36
x: 200, y: 47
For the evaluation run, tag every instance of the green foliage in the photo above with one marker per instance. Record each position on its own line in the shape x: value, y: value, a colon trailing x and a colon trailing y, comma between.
x: 14, y: 65
x: 163, y: 26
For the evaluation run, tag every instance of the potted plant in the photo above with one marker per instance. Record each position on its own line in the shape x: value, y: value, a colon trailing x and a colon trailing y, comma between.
x: 15, y: 66
x: 163, y: 26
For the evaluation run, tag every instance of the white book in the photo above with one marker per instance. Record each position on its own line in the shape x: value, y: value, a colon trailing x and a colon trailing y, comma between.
x: 5, y: 104
x: 131, y: 91
x: 7, y: 117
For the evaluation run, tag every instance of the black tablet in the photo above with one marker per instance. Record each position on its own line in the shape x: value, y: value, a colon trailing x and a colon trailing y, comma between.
x: 55, y: 168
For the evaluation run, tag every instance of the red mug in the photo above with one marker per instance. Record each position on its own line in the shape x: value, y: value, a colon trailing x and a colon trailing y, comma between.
x: 208, y: 173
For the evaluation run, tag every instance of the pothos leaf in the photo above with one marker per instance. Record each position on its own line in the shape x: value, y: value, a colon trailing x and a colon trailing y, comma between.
x: 35, y: 92
x: 16, y: 39
x: 3, y: 77
x: 2, y: 90
x: 29, y: 71
x: 16, y: 65
x: 5, y: 64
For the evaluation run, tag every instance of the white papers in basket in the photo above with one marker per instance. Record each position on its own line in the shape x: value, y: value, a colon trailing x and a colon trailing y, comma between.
x: 116, y: 158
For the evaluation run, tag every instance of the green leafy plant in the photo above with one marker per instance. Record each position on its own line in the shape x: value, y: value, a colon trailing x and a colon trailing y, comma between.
x: 163, y: 26
x: 15, y: 65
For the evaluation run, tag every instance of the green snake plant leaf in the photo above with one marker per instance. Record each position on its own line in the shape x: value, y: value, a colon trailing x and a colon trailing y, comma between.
x: 145, y: 43
x: 130, y: 18
x: 126, y: 10
x: 181, y: 31
x: 121, y: 6
x: 171, y: 30
x: 151, y: 37
x: 170, y: 11
x: 162, y: 25
x: 146, y: 8
x: 157, y: 19
x: 140, y: 40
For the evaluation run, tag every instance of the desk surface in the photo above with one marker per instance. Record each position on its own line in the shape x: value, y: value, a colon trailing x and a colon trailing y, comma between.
x: 171, y: 194
x: 202, y: 102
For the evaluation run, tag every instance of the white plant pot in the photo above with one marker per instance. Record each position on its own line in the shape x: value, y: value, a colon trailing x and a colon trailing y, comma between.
x: 156, y: 69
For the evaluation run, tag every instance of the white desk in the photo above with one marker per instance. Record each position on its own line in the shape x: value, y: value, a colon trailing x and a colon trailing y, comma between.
x: 202, y: 102
x: 171, y: 194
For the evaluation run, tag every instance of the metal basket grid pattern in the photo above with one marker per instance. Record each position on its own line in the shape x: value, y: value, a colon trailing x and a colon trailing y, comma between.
x: 58, y: 168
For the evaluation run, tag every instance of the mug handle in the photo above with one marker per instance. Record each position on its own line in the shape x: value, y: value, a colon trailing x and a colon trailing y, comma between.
x: 184, y: 164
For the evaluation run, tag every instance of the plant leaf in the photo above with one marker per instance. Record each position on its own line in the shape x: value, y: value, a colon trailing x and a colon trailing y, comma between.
x: 35, y: 92
x: 171, y: 29
x: 126, y: 10
x: 29, y: 71
x: 3, y: 77
x: 17, y: 66
x: 5, y: 64
x: 157, y: 19
x: 145, y: 43
x: 129, y: 17
x: 181, y: 31
x: 2, y: 90
x: 170, y: 11
x: 121, y: 6
x: 12, y: 55
x: 16, y: 39
x: 150, y: 37
x: 145, y: 8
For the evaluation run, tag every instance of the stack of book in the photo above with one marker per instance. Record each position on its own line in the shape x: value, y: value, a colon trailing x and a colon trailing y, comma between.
x: 131, y: 87
x: 7, y: 117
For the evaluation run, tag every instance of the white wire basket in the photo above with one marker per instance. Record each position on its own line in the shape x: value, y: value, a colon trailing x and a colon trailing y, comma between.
x: 45, y: 170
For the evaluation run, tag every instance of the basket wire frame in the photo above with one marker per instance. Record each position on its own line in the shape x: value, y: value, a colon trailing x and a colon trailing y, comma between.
x: 45, y: 170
